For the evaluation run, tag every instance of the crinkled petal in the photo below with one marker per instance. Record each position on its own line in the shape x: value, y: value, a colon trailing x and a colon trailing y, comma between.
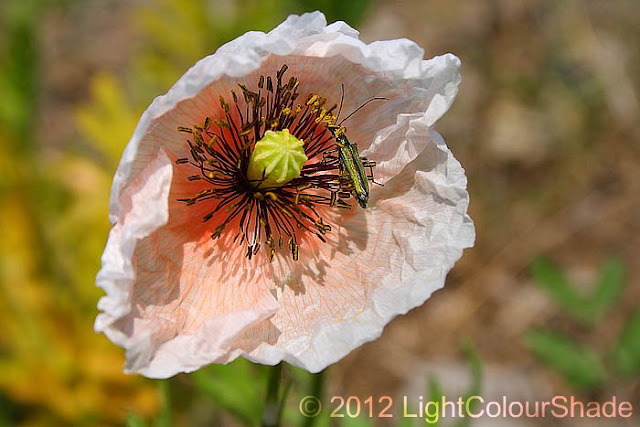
x: 176, y: 300
x: 395, y: 255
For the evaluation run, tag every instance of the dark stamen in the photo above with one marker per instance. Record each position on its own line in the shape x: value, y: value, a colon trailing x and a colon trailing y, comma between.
x: 220, y: 149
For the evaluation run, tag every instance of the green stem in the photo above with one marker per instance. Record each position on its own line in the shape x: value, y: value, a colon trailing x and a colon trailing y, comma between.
x: 316, y: 389
x: 164, y: 419
x: 271, y: 413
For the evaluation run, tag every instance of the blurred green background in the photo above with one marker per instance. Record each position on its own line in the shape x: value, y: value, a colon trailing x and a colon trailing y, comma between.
x: 546, y: 125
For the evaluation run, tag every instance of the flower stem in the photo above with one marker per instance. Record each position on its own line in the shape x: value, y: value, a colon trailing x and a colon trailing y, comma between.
x: 164, y: 419
x: 315, y: 390
x: 271, y: 413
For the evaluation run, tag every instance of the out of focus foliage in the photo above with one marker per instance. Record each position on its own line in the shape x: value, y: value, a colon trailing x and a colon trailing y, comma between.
x: 54, y: 369
x: 367, y: 411
x: 436, y: 393
x: 590, y: 308
x: 177, y: 33
x: 581, y: 365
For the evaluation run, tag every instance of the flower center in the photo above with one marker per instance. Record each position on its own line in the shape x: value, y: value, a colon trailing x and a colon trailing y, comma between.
x: 268, y: 166
x: 276, y: 159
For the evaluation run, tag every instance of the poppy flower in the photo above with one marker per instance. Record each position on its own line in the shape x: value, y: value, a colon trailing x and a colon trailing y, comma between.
x: 251, y: 219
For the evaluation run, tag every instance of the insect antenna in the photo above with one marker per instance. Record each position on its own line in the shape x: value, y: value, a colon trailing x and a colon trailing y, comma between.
x: 341, y: 101
x: 375, y: 98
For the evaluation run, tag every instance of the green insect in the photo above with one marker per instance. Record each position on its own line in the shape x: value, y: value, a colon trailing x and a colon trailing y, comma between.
x: 349, y: 157
x: 353, y: 165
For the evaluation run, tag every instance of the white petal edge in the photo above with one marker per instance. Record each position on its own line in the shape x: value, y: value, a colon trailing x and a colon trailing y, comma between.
x: 305, y: 35
x: 332, y: 342
x: 146, y: 208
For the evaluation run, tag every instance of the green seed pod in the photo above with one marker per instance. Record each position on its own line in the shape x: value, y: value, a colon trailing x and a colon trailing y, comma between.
x: 276, y: 159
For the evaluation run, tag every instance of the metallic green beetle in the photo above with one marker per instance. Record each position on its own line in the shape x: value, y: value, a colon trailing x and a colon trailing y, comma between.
x: 349, y: 157
x: 353, y: 165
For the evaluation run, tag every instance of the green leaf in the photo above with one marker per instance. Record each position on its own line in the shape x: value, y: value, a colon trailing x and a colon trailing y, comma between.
x: 409, y: 422
x: 435, y: 395
x: 19, y: 72
x: 587, y: 309
x: 236, y: 387
x: 435, y: 389
x: 475, y: 365
x: 608, y: 288
x: 559, y: 288
x: 361, y: 421
x: 627, y: 351
x: 135, y: 420
x: 580, y: 366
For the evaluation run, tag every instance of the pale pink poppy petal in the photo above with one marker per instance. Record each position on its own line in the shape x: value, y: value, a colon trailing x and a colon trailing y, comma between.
x: 394, y: 256
x: 177, y: 300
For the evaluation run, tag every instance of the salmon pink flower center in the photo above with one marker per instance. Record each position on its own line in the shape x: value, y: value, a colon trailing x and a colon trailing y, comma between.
x: 262, y: 185
x: 177, y: 300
